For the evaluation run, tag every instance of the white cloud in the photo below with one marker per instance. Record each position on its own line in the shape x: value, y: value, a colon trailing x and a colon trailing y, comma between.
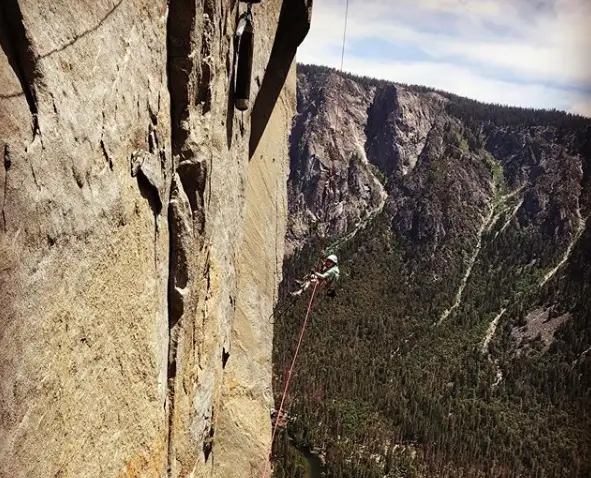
x: 582, y: 107
x: 539, y: 47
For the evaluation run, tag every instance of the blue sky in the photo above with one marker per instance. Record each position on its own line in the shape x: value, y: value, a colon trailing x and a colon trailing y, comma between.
x: 533, y: 53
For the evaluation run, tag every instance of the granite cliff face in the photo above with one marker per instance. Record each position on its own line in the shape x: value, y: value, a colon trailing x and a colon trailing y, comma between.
x: 458, y: 342
x: 348, y: 138
x: 132, y: 275
x: 357, y: 142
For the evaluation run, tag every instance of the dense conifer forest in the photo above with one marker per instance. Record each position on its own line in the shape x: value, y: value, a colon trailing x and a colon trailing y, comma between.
x: 388, y: 383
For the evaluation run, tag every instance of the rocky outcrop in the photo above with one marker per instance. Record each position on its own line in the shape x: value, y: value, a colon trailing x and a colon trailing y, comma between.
x: 348, y: 138
x: 538, y: 332
x: 133, y: 280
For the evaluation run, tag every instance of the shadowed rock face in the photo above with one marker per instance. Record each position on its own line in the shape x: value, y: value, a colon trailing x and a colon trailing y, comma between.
x: 133, y: 277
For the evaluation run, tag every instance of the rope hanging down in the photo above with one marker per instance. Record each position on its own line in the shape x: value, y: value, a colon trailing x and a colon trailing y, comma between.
x: 344, y: 34
x: 295, y: 356
x: 305, y: 324
x: 276, y: 315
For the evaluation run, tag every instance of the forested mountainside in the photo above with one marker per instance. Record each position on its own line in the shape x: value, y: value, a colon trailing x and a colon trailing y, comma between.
x: 459, y: 342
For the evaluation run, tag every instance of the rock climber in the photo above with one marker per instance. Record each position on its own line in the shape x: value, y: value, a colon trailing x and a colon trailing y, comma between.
x: 329, y: 275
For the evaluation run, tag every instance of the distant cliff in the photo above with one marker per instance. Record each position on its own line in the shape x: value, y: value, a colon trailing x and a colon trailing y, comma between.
x: 133, y: 277
x: 356, y: 142
x: 458, y: 343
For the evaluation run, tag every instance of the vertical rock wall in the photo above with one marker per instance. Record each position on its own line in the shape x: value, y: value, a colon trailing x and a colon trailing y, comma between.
x: 141, y: 235
x: 350, y: 138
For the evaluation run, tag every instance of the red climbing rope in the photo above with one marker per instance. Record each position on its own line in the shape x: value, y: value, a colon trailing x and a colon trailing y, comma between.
x: 295, y: 356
